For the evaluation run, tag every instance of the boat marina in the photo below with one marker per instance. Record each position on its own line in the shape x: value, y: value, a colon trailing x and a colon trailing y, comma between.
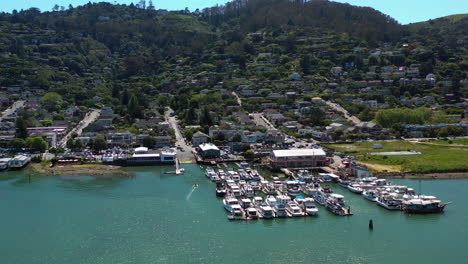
x: 394, y: 197
x: 250, y: 196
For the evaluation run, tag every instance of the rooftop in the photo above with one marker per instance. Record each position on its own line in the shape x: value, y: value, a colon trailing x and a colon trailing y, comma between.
x: 298, y: 152
x: 208, y: 146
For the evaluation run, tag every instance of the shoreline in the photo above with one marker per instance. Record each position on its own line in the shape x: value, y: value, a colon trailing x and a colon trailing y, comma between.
x: 95, y: 170
x: 423, y: 176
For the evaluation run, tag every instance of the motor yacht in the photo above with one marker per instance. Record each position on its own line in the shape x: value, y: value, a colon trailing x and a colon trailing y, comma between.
x: 245, y: 203
x: 252, y: 213
x: 230, y: 202
x: 355, y: 188
x: 293, y: 189
x: 293, y: 209
x: 370, y: 195
x: 220, y: 189
x: 309, y: 206
x: 266, y: 211
x: 338, y: 197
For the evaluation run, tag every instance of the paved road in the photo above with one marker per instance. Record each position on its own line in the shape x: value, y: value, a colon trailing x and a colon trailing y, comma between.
x: 260, y: 120
x: 239, y: 101
x: 185, y: 153
x: 15, y: 106
x: 345, y: 112
x: 90, y: 117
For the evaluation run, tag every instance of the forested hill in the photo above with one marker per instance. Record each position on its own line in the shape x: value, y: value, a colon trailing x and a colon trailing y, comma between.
x: 453, y: 30
x: 239, y: 16
x: 252, y: 15
x: 104, y: 49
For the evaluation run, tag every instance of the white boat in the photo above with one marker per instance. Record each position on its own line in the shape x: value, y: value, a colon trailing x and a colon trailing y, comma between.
x: 336, y: 208
x: 258, y: 200
x: 280, y: 206
x: 235, y: 190
x: 235, y: 177
x: 370, y: 195
x: 320, y: 198
x: 293, y: 188
x: 255, y: 186
x: 230, y: 183
x: 355, y: 188
x: 266, y: 211
x: 209, y: 172
x: 245, y: 203
x: 338, y: 197
x: 255, y: 175
x: 310, y: 207
x: 269, y: 189
x: 244, y: 165
x: 221, y: 174
x: 252, y: 213
x: 293, y: 209
x: 280, y: 210
x: 237, y: 214
x: 220, y: 189
x: 230, y: 202
x: 249, y: 191
x: 284, y: 199
x: 389, y: 203
x: 271, y: 201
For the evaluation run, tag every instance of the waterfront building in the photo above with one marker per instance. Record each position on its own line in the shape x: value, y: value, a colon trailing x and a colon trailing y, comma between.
x: 209, y: 151
x: 19, y: 161
x: 297, y: 158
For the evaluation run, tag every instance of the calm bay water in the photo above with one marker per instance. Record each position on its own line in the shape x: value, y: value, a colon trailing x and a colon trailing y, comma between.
x: 159, y: 218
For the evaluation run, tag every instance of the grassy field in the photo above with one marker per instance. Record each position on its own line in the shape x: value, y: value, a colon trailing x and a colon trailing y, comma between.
x: 437, y: 156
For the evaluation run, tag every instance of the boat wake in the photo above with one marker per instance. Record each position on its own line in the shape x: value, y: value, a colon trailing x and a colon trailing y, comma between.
x: 190, y: 193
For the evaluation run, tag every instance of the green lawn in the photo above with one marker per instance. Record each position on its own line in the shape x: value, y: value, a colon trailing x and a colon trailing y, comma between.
x: 435, y: 157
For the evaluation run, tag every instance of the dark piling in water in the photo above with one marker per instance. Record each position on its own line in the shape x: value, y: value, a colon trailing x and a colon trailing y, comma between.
x: 371, y: 224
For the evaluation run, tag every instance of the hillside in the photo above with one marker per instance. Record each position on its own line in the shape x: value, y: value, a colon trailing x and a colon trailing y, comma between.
x: 450, y: 29
x: 103, y: 54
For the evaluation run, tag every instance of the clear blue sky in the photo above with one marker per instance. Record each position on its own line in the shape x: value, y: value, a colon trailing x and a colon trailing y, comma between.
x: 404, y: 11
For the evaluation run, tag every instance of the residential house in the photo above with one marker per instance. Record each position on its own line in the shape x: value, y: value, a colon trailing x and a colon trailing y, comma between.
x: 199, y: 138
x: 274, y: 136
x: 162, y: 141
x: 119, y: 139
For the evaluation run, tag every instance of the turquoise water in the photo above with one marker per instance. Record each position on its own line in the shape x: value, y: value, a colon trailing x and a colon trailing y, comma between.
x: 157, y: 218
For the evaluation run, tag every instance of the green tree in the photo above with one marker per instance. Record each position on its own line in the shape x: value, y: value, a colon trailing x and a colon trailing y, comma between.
x: 236, y: 138
x: 366, y: 115
x: 249, y: 154
x: 206, y: 118
x: 70, y: 143
x: 36, y: 143
x: 52, y: 101
x: 134, y: 107
x: 17, y: 143
x: 191, y: 117
x: 149, y: 142
x: 21, y: 128
x: 99, y: 144
x: 78, y: 145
